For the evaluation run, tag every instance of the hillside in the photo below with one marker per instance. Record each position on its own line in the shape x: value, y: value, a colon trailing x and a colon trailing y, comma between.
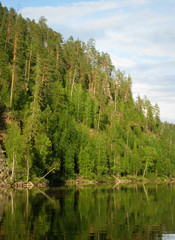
x: 64, y: 107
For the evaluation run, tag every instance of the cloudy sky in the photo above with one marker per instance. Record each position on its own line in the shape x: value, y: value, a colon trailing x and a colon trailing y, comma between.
x: 139, y: 35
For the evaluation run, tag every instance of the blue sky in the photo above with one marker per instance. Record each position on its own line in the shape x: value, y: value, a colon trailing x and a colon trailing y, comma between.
x: 139, y: 35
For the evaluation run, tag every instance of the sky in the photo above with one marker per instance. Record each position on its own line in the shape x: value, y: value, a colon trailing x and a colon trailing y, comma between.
x: 139, y: 35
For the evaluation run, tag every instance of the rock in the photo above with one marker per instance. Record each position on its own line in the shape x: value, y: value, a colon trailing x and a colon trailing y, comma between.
x: 30, y: 185
x: 5, y: 185
x: 41, y: 185
x: 18, y: 185
x: 4, y: 170
x: 24, y: 185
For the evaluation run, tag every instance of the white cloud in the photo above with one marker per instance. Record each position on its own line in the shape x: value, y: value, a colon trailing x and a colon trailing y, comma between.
x: 167, y: 113
x: 159, y: 51
x: 165, y: 100
x: 122, y: 62
x: 76, y: 10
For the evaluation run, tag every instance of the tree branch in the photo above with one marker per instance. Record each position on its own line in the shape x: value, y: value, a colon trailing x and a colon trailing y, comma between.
x: 47, y: 173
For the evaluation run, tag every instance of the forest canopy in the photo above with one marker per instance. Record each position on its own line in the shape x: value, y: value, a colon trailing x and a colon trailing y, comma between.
x: 64, y: 106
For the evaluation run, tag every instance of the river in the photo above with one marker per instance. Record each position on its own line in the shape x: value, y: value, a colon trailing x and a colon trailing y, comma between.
x: 96, y: 212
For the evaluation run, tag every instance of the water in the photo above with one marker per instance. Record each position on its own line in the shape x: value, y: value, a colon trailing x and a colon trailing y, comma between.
x: 98, y: 212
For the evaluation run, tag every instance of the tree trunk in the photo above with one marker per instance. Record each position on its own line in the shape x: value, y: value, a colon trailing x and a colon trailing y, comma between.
x: 145, y: 169
x: 117, y: 179
x: 13, y: 69
x: 27, y: 168
x: 46, y: 174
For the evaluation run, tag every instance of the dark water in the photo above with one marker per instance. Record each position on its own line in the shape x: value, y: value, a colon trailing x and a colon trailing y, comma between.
x: 101, y: 212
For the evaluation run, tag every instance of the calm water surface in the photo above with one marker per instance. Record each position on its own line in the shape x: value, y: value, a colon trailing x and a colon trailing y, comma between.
x: 100, y: 212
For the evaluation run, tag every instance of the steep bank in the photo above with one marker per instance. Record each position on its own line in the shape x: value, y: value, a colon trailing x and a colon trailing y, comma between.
x: 4, y: 170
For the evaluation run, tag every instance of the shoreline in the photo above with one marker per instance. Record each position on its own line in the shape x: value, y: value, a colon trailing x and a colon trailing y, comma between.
x: 23, y: 185
x: 119, y: 181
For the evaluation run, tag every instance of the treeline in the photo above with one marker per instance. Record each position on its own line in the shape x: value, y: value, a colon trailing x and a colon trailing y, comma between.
x: 67, y: 109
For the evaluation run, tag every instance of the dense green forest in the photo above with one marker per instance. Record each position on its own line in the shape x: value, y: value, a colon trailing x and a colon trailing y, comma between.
x: 64, y: 106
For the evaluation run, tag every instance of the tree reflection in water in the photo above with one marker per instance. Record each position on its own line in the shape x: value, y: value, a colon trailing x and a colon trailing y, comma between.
x: 98, y: 212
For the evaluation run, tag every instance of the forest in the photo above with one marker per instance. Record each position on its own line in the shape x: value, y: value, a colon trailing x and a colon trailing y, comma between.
x: 66, y: 110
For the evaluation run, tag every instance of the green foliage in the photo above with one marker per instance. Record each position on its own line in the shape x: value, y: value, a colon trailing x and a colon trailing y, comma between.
x: 73, y: 109
x: 15, y: 149
x: 87, y: 158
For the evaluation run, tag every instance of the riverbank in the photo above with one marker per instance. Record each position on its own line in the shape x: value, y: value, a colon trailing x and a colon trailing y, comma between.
x: 114, y: 179
x: 84, y: 181
x: 23, y: 185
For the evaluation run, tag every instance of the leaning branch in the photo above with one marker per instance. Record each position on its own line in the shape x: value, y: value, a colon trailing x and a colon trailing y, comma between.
x: 46, y: 174
x: 117, y: 180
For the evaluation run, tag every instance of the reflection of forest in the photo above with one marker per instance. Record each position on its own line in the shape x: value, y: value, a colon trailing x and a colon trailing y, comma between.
x: 95, y: 213
x: 4, y: 198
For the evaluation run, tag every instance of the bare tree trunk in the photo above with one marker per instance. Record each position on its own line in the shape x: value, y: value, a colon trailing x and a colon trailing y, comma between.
x: 27, y: 160
x: 13, y: 69
x: 145, y: 169
x: 46, y: 174
x: 117, y: 179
